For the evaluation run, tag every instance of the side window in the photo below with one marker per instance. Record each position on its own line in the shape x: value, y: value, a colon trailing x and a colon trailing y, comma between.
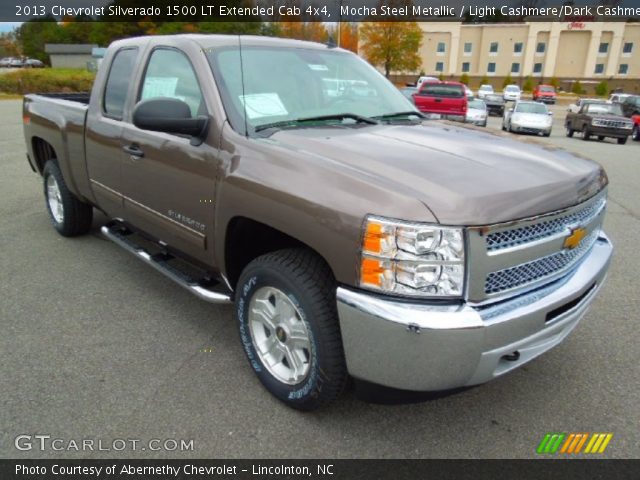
x: 170, y: 74
x: 115, y: 92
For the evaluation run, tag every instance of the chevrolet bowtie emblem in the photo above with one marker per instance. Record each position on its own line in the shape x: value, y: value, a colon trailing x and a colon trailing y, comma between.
x: 573, y: 240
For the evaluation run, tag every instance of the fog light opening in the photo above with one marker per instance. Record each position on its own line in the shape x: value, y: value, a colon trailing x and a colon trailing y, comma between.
x: 512, y: 357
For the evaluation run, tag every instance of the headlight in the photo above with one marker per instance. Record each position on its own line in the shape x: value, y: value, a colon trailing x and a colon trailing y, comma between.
x: 412, y: 259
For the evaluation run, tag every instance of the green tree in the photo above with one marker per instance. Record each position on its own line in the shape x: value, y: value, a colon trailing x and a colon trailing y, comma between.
x: 464, y: 78
x: 34, y: 34
x: 528, y: 84
x: 484, y: 80
x: 577, y: 88
x: 507, y: 81
x: 391, y: 45
x: 602, y: 88
x: 555, y: 83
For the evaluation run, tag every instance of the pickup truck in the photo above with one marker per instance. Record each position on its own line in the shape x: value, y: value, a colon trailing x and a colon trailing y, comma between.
x: 442, y: 99
x: 544, y: 93
x: 355, y: 239
x: 635, y: 134
x: 600, y: 119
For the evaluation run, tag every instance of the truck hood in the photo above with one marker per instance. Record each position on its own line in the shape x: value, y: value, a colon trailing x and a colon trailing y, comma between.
x: 463, y: 176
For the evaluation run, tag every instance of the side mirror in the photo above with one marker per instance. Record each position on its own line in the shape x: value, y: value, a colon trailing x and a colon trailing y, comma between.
x: 550, y: 113
x: 511, y: 109
x: 169, y: 115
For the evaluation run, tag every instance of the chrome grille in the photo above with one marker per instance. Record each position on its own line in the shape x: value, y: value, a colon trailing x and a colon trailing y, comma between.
x: 600, y: 122
x: 530, y: 233
x: 522, y: 274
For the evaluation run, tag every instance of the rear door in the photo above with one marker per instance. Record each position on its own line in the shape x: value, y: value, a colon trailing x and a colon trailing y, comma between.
x: 442, y: 98
x: 168, y: 182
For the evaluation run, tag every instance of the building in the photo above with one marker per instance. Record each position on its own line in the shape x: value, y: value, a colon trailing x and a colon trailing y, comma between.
x: 70, y: 55
x: 569, y: 51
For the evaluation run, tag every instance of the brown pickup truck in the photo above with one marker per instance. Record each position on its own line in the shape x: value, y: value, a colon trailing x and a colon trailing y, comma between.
x: 599, y: 119
x: 356, y: 239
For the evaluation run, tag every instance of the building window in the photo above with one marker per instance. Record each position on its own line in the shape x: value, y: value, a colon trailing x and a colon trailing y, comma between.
x: 541, y: 47
x: 491, y: 67
x: 599, y: 68
x: 468, y: 48
x: 604, y: 48
x: 466, y: 67
x: 537, y: 68
x: 441, y: 47
x: 439, y: 66
x: 493, y: 48
x: 517, y: 48
x: 627, y: 48
x: 623, y: 69
x: 515, y: 68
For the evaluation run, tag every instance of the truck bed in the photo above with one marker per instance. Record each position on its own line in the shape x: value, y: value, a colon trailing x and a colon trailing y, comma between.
x: 82, y: 97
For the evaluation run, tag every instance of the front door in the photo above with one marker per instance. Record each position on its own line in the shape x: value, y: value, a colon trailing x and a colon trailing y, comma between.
x: 168, y: 183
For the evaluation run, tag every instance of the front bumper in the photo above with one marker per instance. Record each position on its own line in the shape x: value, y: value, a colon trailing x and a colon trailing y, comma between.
x: 536, y: 130
x: 609, y: 132
x: 428, y: 346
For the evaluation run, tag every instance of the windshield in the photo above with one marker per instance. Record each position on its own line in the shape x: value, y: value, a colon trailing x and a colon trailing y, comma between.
x: 604, y: 108
x: 531, y: 108
x: 477, y: 104
x: 547, y: 89
x: 442, y: 90
x: 513, y: 88
x: 494, y: 98
x: 486, y: 88
x: 288, y: 84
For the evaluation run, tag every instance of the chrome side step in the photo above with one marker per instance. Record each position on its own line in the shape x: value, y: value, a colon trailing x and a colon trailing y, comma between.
x: 205, y: 288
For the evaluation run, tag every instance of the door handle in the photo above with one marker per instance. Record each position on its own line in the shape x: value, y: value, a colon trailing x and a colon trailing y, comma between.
x: 134, y: 151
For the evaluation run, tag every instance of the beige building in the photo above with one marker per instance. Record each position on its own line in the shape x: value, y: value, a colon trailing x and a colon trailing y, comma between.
x: 566, y: 50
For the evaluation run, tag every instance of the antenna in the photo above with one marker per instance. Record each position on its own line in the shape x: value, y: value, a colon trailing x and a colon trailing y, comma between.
x: 244, y: 98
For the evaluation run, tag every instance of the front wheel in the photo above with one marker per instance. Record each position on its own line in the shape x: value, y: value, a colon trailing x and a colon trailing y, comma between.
x: 636, y: 133
x: 69, y: 216
x: 288, y: 322
x: 569, y: 131
x: 585, y: 133
x: 600, y: 138
x: 622, y: 141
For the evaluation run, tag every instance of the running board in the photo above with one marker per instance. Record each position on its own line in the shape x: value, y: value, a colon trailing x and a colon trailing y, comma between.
x: 205, y: 288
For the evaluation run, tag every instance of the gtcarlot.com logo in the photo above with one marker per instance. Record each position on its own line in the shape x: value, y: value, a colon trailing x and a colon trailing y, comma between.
x: 574, y: 443
x: 43, y: 443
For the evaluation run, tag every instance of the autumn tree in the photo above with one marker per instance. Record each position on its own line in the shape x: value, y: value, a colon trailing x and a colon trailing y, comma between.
x: 348, y: 33
x: 391, y: 45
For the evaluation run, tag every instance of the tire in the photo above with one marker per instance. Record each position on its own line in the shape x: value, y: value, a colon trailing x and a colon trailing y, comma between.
x: 600, y: 138
x: 622, y: 141
x: 69, y: 216
x: 547, y: 134
x: 636, y: 133
x: 570, y: 131
x: 585, y: 133
x: 297, y: 282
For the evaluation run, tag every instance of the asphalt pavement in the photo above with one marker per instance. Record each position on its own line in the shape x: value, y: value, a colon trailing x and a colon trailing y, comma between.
x: 96, y: 345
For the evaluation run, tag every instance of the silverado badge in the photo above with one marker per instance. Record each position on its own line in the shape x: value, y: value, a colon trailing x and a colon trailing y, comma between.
x: 574, y: 239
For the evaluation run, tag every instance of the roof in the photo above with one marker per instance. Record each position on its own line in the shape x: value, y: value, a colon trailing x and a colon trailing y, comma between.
x: 69, y: 48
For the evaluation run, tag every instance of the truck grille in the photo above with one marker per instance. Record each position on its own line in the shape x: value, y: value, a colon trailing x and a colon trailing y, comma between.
x: 600, y: 122
x: 519, y: 275
x: 531, y: 233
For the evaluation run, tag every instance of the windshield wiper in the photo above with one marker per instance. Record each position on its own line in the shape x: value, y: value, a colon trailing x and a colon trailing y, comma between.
x: 296, y: 122
x: 391, y: 116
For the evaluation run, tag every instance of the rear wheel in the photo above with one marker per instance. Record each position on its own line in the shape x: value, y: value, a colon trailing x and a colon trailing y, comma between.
x: 289, y: 328
x: 600, y: 138
x: 585, y: 133
x: 69, y: 216
x: 622, y: 141
x: 569, y: 130
x: 636, y: 133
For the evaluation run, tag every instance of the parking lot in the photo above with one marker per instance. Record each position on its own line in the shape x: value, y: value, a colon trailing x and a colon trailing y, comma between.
x: 97, y: 345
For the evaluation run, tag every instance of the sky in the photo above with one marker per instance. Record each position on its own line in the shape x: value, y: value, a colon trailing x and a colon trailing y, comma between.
x: 8, y: 26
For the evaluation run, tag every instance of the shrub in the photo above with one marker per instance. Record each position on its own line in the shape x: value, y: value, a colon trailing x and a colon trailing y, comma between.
x: 46, y: 80
x: 484, y: 80
x: 464, y: 78
x: 577, y: 88
x: 507, y: 81
x: 555, y: 83
x: 528, y: 85
x: 602, y: 88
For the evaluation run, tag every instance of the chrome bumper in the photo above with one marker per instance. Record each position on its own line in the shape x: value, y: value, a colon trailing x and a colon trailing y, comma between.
x: 427, y: 347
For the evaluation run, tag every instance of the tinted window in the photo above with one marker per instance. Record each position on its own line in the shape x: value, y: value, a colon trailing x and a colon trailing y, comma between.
x: 115, y: 92
x: 170, y: 75
x: 442, y: 90
x: 540, y: 48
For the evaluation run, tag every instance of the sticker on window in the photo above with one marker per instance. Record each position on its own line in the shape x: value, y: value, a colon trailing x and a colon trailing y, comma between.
x: 159, y: 87
x: 260, y: 105
x: 319, y: 67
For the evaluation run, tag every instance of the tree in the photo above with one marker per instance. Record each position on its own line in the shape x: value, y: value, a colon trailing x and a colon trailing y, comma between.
x: 555, y: 83
x: 484, y: 80
x: 602, y: 88
x: 528, y: 84
x: 391, y: 45
x: 577, y: 88
x: 348, y: 36
x: 464, y: 78
x: 507, y: 81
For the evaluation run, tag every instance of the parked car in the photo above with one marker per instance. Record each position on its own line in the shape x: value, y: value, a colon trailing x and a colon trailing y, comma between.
x: 635, y: 134
x: 631, y: 106
x: 442, y: 99
x: 495, y: 104
x: 16, y: 63
x: 511, y: 93
x: 528, y: 117
x: 484, y: 90
x: 544, y: 93
x: 409, y: 92
x: 4, y: 63
x: 618, y: 97
x: 468, y: 92
x: 33, y: 63
x: 477, y: 112
x: 575, y: 107
x: 409, y: 254
x: 423, y: 80
x: 600, y: 119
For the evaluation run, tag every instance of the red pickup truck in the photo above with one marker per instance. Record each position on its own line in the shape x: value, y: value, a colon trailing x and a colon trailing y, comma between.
x: 544, y: 93
x: 635, y: 135
x: 447, y: 99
